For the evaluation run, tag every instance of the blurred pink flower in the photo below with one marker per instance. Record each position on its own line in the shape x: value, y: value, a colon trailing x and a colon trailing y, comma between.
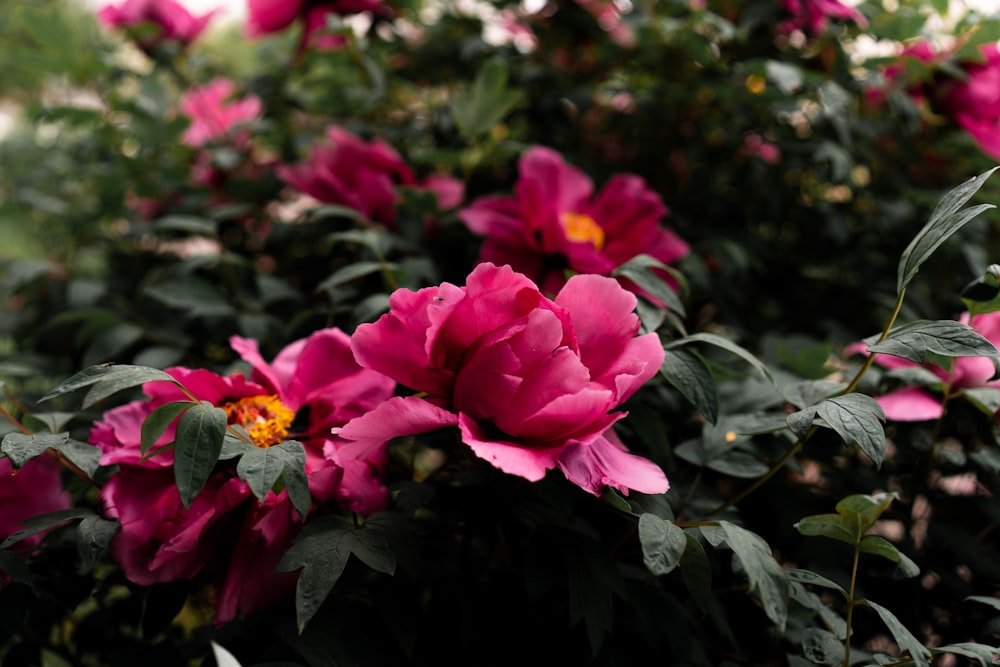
x: 812, y: 16
x: 313, y: 385
x: 173, y: 20
x: 268, y: 16
x: 362, y: 175
x: 975, y: 103
x: 33, y: 490
x: 757, y: 146
x: 554, y: 223
x: 609, y: 17
x: 529, y: 382
x: 922, y: 403
x: 214, y: 113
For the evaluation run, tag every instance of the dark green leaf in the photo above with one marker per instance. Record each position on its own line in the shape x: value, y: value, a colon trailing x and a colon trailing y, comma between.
x: 83, y: 455
x: 696, y: 571
x: 185, y: 223
x: 766, y: 576
x: 822, y: 648
x: 689, y: 375
x: 487, y: 103
x: 663, y: 544
x: 810, y: 577
x: 193, y: 295
x: 53, y: 422
x: 833, y: 526
x: 986, y: 399
x: 197, y: 446
x: 946, y: 219
x: 878, y: 545
x: 947, y: 338
x: 110, y: 378
x: 44, y: 522
x: 16, y: 569
x: 904, y: 638
x: 984, y: 655
x: 21, y: 448
x: 353, y: 272
x: 724, y: 344
x: 857, y: 419
x: 639, y: 270
x: 92, y: 537
x: 262, y: 467
x: 158, y: 420
x: 991, y: 601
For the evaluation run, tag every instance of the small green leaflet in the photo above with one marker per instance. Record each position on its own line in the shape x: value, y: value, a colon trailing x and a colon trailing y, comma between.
x: 688, y: 374
x: 197, y: 446
x: 107, y: 380
x: 907, y: 642
x: 856, y: 418
x: 262, y: 467
x: 947, y: 338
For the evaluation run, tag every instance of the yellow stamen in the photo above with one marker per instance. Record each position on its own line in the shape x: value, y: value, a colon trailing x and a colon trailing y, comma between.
x: 581, y: 228
x: 263, y: 417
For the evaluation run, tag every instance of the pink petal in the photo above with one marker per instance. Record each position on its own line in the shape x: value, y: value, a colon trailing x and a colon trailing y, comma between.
x: 910, y: 404
x: 396, y: 417
x: 600, y: 463
x: 513, y: 458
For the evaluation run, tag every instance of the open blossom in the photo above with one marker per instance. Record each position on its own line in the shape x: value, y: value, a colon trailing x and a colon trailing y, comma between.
x: 349, y: 171
x: 812, y: 16
x: 530, y: 382
x: 975, y: 102
x: 313, y: 385
x: 214, y: 113
x: 33, y: 490
x: 554, y: 223
x: 268, y: 16
x: 923, y: 403
x: 172, y: 19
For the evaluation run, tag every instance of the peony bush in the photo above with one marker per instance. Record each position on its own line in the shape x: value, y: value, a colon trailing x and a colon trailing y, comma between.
x: 559, y: 333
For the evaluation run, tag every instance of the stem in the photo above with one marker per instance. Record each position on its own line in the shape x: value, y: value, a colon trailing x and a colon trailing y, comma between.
x: 885, y: 334
x: 850, y: 605
x: 13, y: 420
x: 792, y: 451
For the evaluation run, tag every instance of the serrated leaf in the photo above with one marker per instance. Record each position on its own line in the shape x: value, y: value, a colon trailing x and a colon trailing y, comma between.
x: 857, y: 419
x: 197, y: 445
x: 21, y: 447
x: 158, y: 420
x: 663, y: 544
x: 946, y: 219
x: 727, y: 345
x: 904, y: 638
x: 113, y: 378
x: 947, y: 338
x: 689, y: 375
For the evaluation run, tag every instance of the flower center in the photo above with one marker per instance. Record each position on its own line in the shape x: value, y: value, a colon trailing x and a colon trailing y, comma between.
x: 581, y: 228
x: 263, y: 417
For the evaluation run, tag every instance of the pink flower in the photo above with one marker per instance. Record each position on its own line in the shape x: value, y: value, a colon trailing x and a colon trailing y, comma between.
x: 312, y: 386
x: 349, y: 171
x: 214, y: 114
x: 757, y: 146
x: 529, y: 382
x: 554, y: 222
x: 33, y: 490
x: 975, y: 103
x: 609, y: 17
x: 268, y: 16
x: 922, y: 403
x: 812, y: 16
x: 172, y: 19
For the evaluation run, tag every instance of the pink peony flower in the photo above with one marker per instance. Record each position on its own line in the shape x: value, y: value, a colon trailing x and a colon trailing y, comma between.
x: 812, y: 16
x: 173, y: 20
x: 554, y: 222
x: 312, y: 386
x: 975, y: 103
x: 268, y: 16
x: 909, y: 404
x: 214, y: 113
x: 529, y: 382
x: 363, y: 175
x: 33, y: 490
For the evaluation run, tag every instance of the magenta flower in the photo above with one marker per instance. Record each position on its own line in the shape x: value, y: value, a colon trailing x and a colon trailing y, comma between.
x: 975, y: 103
x: 214, y: 113
x: 529, y: 382
x: 312, y: 386
x: 33, y: 490
x: 812, y: 16
x: 268, y: 16
x: 913, y: 403
x: 172, y: 19
x: 554, y: 223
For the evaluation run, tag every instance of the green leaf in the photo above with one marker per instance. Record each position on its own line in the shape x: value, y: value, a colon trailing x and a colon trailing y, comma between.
x: 983, y: 295
x: 262, y: 467
x: 158, y: 420
x: 689, y: 375
x: 855, y: 516
x: 639, y: 270
x: 224, y: 658
x: 196, y: 296
x: 984, y: 655
x: 766, y: 576
x: 946, y: 219
x: 833, y: 526
x: 857, y: 419
x: 322, y: 553
x: 83, y: 455
x: 663, y: 544
x: 92, y: 537
x: 947, y: 338
x: 185, y: 223
x: 724, y: 344
x: 197, y: 446
x: 878, y: 545
x: 810, y: 577
x: 54, y: 422
x: 21, y: 448
x: 821, y: 647
x: 353, y: 272
x: 696, y: 571
x: 44, y: 522
x: 987, y: 399
x: 904, y: 638
x: 16, y: 569
x: 991, y: 601
x: 107, y: 379
x: 487, y: 102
